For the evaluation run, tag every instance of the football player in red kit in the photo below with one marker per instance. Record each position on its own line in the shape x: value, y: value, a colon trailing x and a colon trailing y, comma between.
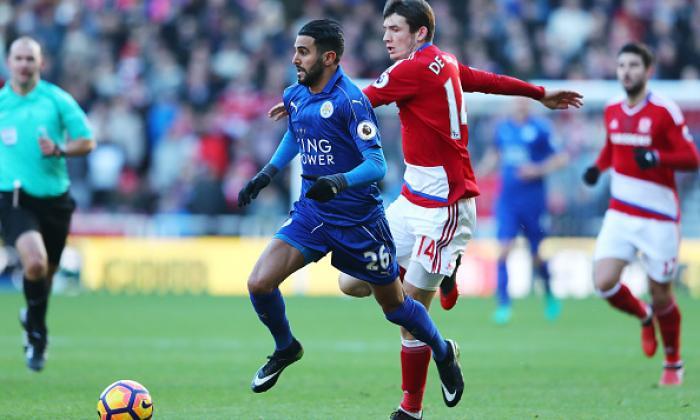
x: 647, y: 141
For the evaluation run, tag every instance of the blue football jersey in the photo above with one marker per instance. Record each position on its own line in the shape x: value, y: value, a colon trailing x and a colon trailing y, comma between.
x: 332, y: 128
x: 521, y: 143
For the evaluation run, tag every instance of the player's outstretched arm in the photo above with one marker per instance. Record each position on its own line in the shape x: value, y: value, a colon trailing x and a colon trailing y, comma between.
x: 562, y: 99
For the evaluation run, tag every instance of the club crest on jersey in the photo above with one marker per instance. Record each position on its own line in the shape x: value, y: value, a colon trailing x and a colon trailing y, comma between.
x: 366, y: 130
x: 327, y: 109
x: 381, y: 81
x: 614, y: 124
x: 644, y: 125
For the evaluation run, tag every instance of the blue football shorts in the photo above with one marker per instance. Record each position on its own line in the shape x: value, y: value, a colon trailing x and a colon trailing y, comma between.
x: 366, y: 251
x: 513, y: 218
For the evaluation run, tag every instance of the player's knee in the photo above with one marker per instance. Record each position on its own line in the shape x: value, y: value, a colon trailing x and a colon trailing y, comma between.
x: 604, y: 280
x: 353, y: 287
x: 258, y: 284
x: 661, y: 294
x: 35, y: 268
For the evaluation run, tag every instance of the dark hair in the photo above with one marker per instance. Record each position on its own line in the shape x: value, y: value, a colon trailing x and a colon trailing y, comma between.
x: 417, y: 13
x: 639, y: 49
x: 327, y: 35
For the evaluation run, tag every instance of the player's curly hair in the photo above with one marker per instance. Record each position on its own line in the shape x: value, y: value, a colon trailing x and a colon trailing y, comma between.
x: 416, y: 12
x: 327, y: 35
x: 639, y: 49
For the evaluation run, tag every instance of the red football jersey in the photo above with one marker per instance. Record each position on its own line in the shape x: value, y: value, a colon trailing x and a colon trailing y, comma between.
x: 427, y: 88
x: 658, y: 124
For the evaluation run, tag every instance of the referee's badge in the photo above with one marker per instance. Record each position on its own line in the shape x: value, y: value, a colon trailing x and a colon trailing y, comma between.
x: 366, y: 130
x: 9, y: 136
x: 327, y: 109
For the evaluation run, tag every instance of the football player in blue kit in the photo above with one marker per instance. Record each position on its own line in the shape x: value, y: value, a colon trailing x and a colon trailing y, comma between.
x: 333, y: 128
x: 523, y: 147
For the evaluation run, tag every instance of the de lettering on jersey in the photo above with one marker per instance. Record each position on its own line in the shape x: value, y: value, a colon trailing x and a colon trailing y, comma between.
x: 314, y: 151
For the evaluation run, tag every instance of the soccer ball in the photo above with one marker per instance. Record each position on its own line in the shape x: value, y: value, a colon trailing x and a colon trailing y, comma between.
x: 125, y: 400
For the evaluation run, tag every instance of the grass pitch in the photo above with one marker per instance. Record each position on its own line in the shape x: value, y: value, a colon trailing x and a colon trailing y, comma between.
x: 197, y: 356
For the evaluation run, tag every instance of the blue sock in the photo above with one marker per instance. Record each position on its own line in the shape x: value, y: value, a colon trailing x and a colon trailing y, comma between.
x: 270, y: 309
x: 502, y: 287
x: 413, y: 316
x: 543, y: 271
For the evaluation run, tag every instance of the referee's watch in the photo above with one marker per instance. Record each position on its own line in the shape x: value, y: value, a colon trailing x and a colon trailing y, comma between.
x: 57, y: 151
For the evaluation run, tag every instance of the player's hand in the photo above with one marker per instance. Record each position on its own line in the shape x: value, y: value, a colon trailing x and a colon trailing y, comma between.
x: 277, y: 112
x: 327, y: 187
x: 646, y: 158
x: 562, y: 99
x: 529, y: 172
x: 590, y: 177
x: 252, y: 188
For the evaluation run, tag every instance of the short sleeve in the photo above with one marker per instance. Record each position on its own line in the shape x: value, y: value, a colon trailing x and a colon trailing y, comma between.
x: 398, y: 82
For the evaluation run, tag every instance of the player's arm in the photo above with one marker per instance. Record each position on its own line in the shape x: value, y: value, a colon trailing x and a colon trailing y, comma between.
x: 555, y: 159
x: 474, y: 80
x: 399, y: 82
x: 541, y: 169
x: 75, y: 123
x: 602, y: 163
x: 284, y: 154
x: 372, y: 169
x: 681, y: 156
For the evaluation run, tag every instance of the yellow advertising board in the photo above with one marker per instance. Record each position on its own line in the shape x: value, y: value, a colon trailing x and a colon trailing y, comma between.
x: 220, y: 266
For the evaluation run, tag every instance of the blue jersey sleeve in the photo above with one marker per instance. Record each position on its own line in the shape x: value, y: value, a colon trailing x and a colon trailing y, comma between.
x: 372, y: 169
x: 285, y: 152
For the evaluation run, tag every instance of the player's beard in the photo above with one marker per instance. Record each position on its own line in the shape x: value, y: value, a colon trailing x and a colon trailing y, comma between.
x: 313, y: 74
x: 635, y: 89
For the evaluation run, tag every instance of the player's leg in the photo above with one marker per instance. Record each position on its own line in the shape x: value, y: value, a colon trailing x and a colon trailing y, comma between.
x: 277, y: 262
x: 659, y: 248
x: 21, y: 229
x: 668, y: 317
x: 535, y: 230
x: 368, y: 253
x: 32, y: 254
x: 414, y: 318
x: 443, y: 236
x: 507, y: 231
x: 298, y: 242
x: 613, y: 251
x: 415, y: 354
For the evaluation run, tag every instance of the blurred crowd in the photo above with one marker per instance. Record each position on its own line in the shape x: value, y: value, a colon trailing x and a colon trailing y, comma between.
x: 177, y: 90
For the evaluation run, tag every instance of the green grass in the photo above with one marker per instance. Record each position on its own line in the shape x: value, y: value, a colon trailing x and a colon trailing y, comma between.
x: 197, y: 356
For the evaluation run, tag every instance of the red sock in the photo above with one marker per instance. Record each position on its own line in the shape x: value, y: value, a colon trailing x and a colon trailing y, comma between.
x: 670, y: 325
x: 621, y: 298
x: 415, y: 361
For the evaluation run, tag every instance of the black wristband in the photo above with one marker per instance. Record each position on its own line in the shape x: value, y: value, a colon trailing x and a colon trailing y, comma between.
x: 269, y: 170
